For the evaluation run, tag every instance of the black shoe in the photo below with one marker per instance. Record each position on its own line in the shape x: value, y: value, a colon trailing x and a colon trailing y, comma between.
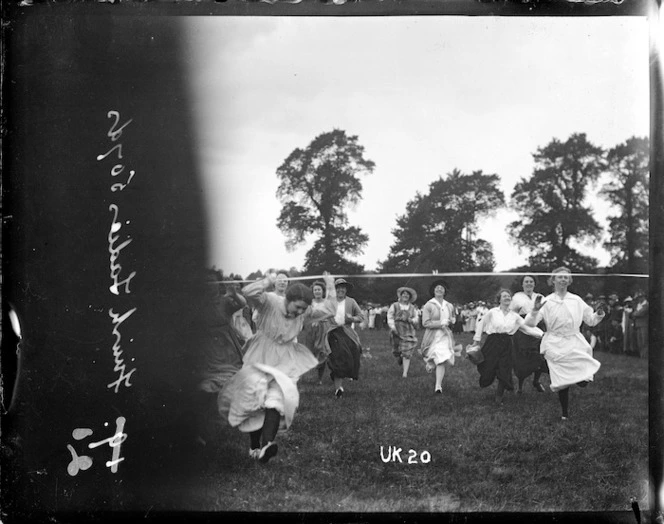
x: 538, y: 387
x: 267, y: 452
x: 339, y: 393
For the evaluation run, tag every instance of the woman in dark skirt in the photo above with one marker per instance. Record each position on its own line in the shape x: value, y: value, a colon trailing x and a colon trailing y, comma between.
x: 345, y: 346
x: 500, y: 323
x: 314, y: 334
x: 526, y: 357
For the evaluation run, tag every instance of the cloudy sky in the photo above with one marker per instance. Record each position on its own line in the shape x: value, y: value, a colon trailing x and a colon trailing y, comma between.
x: 424, y: 95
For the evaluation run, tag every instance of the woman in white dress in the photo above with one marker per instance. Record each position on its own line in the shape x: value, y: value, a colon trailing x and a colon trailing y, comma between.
x: 263, y: 397
x: 438, y: 341
x: 565, y: 349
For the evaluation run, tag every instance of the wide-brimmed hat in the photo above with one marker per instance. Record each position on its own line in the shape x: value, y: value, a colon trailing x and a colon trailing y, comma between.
x: 439, y: 282
x: 410, y: 291
x: 628, y: 299
x: 342, y: 282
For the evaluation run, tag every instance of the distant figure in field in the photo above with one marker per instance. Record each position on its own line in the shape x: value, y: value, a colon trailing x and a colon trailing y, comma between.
x: 402, y: 319
x: 640, y: 317
x: 372, y: 317
x: 628, y: 326
x: 566, y: 350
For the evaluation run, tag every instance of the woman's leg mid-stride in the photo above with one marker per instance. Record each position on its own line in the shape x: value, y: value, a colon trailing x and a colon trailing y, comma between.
x: 255, y: 443
x: 500, y: 389
x: 321, y: 372
x: 268, y: 434
x: 338, y: 387
x: 440, y: 375
x: 563, y: 397
x: 405, y: 365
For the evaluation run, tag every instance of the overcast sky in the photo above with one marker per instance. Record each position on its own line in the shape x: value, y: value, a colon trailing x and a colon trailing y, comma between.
x: 424, y: 95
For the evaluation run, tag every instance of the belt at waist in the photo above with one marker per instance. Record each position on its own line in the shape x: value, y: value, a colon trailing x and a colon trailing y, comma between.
x: 564, y: 335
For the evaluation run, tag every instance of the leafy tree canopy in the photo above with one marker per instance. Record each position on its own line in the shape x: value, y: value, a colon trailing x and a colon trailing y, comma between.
x: 628, y: 191
x: 551, y: 204
x: 438, y: 230
x: 317, y: 186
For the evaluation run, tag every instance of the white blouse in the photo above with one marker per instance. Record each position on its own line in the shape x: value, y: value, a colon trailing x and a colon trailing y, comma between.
x: 496, y: 321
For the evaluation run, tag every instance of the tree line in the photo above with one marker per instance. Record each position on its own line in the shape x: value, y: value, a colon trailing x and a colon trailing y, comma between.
x: 438, y: 229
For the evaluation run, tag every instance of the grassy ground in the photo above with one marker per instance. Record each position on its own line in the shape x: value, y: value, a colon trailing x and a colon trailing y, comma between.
x: 516, y: 457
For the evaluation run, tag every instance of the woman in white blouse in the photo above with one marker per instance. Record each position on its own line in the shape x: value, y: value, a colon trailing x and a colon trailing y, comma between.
x: 500, y: 323
x: 564, y: 347
x: 438, y: 341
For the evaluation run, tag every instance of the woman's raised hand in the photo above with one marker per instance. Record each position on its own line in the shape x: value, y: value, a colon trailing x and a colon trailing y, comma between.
x: 329, y: 279
x: 538, y: 303
x: 271, y: 276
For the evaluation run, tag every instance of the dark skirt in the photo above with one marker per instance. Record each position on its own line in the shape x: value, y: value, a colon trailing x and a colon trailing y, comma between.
x: 526, y: 357
x: 344, y: 359
x: 497, y: 351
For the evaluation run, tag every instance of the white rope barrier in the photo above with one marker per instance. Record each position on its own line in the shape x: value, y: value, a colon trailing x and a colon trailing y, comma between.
x: 441, y: 275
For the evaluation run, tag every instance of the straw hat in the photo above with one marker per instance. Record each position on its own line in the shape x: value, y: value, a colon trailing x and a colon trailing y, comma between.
x: 410, y: 291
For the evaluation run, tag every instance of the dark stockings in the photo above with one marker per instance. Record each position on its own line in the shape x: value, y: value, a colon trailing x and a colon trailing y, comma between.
x: 269, y: 430
x: 563, y: 397
x: 499, y: 392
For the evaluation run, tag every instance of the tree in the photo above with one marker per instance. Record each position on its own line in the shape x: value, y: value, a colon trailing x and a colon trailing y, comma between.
x: 316, y: 186
x: 439, y: 229
x: 552, y: 208
x: 256, y: 275
x: 628, y: 189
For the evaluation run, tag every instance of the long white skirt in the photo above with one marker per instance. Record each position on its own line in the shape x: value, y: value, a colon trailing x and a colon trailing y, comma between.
x: 440, y: 350
x: 570, y: 359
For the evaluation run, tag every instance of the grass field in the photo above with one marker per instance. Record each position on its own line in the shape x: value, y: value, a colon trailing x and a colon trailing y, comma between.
x: 516, y: 457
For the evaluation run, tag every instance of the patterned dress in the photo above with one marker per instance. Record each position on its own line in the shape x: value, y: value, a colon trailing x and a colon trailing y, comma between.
x: 404, y: 341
